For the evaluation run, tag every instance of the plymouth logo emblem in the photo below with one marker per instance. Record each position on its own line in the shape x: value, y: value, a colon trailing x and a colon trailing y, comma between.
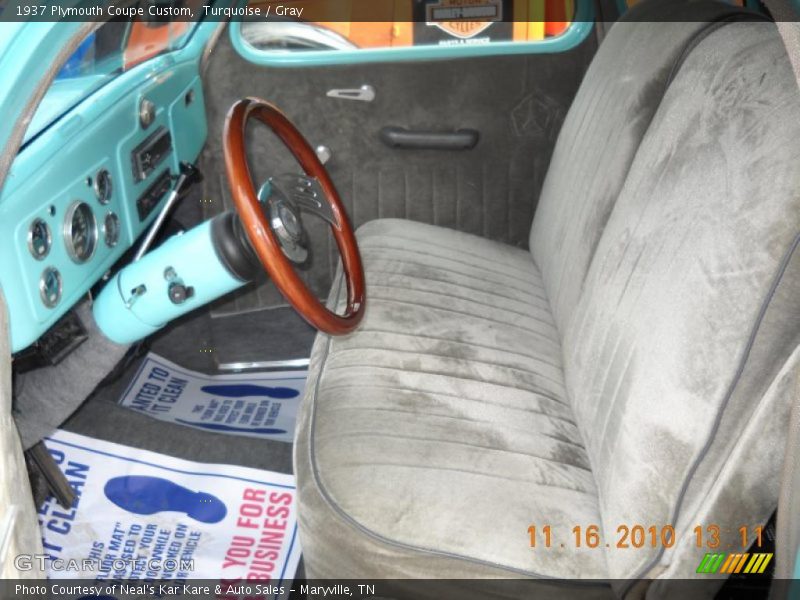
x: 464, y: 18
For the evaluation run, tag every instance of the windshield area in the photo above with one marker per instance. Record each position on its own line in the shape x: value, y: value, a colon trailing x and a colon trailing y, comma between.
x: 112, y: 49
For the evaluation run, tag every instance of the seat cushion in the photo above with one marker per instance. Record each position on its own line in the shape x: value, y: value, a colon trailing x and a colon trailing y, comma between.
x: 448, y: 406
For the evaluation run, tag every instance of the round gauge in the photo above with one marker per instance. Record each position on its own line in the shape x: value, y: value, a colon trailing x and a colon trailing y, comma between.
x: 111, y: 229
x: 39, y: 239
x: 50, y: 287
x: 80, y: 232
x: 103, y: 187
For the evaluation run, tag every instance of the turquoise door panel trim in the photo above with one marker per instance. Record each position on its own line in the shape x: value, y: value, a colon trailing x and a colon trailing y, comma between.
x: 577, y: 32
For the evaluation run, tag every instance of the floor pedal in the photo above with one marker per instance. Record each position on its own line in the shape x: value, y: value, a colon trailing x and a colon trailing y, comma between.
x: 51, y: 474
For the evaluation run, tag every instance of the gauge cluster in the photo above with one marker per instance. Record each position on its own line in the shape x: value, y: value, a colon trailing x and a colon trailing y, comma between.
x: 80, y: 232
x: 72, y: 204
x: 40, y: 239
x: 80, y: 228
x: 70, y: 231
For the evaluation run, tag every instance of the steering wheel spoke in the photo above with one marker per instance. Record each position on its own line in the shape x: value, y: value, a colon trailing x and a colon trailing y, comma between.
x: 307, y: 194
x: 272, y: 217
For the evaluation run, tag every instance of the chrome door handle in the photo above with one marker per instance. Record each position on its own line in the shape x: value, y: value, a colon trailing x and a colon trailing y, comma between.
x: 366, y: 93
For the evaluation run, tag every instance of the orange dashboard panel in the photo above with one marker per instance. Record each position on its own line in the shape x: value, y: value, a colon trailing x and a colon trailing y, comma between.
x: 146, y: 41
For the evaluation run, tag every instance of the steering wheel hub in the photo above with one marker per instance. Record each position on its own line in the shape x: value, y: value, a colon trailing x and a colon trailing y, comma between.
x: 286, y: 222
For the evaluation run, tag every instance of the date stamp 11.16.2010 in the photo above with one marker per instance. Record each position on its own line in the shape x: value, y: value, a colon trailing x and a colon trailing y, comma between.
x: 641, y: 536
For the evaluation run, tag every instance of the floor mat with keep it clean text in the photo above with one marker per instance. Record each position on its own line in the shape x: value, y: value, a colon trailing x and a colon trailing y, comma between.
x: 262, y: 405
x: 139, y: 515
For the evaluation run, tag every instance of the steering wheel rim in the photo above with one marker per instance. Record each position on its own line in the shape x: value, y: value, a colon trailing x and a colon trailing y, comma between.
x: 260, y: 233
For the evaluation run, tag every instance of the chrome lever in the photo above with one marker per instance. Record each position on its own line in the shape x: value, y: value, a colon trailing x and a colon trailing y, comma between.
x: 366, y: 93
x: 306, y: 193
x: 189, y: 174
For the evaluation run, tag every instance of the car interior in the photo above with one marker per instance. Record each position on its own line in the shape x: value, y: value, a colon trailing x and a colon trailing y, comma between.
x: 546, y: 289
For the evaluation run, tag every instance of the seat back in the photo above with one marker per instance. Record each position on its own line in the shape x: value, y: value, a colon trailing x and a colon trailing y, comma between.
x: 679, y: 317
x: 610, y: 114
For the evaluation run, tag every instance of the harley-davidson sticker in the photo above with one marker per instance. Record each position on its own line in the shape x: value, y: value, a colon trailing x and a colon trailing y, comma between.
x: 463, y: 18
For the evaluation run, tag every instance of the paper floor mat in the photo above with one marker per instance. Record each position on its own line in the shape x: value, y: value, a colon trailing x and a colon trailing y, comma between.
x: 148, y: 516
x: 262, y: 405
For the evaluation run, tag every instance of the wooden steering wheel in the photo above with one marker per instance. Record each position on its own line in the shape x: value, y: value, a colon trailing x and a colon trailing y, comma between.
x: 278, y: 236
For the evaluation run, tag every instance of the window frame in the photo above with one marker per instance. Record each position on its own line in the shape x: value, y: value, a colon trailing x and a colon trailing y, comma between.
x: 572, y: 37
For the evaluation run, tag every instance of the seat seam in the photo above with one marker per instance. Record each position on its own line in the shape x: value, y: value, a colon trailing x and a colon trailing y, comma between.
x: 529, y: 292
x: 471, y: 315
x: 440, y: 374
x: 459, y: 342
x: 377, y: 249
x: 374, y: 272
x: 455, y: 418
x: 390, y: 435
x: 490, y: 292
x: 463, y: 299
x: 587, y: 492
x: 423, y: 391
x: 450, y: 248
x: 445, y: 357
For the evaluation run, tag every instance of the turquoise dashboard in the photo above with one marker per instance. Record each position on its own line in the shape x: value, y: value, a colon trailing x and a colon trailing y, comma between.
x: 82, y: 191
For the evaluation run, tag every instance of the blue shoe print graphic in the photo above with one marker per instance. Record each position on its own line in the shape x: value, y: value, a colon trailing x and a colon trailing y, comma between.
x: 143, y: 495
x: 242, y: 390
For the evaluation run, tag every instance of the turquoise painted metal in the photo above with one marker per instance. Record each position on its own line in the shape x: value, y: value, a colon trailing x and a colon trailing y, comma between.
x: 50, y: 172
x: 136, y: 302
x: 63, y: 150
x: 794, y: 587
x: 572, y: 37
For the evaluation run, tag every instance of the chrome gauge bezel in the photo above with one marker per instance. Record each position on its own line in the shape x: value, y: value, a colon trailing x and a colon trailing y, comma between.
x: 48, y: 240
x: 44, y: 294
x: 111, y: 216
x: 68, y: 233
x: 103, y: 198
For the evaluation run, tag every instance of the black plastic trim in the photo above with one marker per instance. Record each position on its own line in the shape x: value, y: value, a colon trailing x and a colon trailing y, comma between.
x: 232, y: 246
x: 406, y: 139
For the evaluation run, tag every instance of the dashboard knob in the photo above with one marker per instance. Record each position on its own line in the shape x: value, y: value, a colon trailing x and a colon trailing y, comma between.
x: 179, y: 293
x: 147, y: 113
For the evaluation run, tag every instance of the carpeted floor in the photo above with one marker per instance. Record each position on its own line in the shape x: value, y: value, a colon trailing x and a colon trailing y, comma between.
x: 195, y: 344
x: 262, y: 335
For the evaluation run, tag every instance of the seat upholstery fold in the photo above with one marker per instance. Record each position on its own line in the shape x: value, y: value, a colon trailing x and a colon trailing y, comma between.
x: 450, y: 386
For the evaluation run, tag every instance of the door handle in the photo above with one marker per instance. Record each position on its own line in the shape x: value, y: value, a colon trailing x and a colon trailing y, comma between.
x: 366, y: 93
x: 402, y: 138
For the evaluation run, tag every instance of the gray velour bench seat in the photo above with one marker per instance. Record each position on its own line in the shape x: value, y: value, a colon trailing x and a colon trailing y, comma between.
x: 633, y: 369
